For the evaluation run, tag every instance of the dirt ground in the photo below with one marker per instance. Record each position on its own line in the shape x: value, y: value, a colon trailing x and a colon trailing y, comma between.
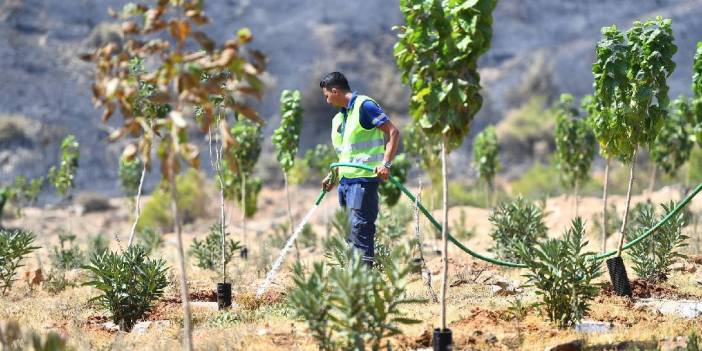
x: 477, y: 312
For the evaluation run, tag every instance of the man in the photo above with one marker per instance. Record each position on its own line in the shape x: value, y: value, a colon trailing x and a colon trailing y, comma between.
x: 361, y: 133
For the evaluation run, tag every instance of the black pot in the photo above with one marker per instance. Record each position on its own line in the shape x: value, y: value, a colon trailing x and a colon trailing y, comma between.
x: 441, y: 340
x: 244, y: 253
x: 224, y: 295
x: 617, y: 274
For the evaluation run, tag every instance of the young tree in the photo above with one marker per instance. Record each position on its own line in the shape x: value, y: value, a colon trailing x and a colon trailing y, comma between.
x: 696, y: 103
x: 673, y: 145
x: 485, y: 161
x: 631, y: 92
x: 167, y: 35
x: 437, y: 53
x: 575, y: 146
x: 287, y: 140
x: 237, y: 181
x: 63, y: 177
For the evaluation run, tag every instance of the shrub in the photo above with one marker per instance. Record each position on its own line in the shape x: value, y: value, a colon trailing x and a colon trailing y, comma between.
x: 192, y: 201
x: 538, y: 181
x: 308, y: 237
x: 653, y: 256
x: 348, y: 305
x: 314, y: 165
x: 388, y: 192
x: 130, y: 282
x: 67, y: 255
x: 14, y: 245
x: 98, y: 245
x: 150, y: 239
x: 516, y: 222
x: 208, y: 253
x: 562, y: 274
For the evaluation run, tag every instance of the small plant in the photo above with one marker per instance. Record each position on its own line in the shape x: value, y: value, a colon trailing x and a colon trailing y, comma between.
x: 130, y: 282
x: 14, y: 246
x: 308, y: 237
x: 63, y: 177
x: 460, y: 227
x: 150, y: 239
x: 693, y: 342
x: 56, y: 281
x: 516, y: 222
x: 98, y: 245
x: 20, y: 193
x: 67, y: 255
x: 485, y: 161
x: 562, y: 274
x: 653, y: 256
x: 208, y: 253
x: 348, y: 305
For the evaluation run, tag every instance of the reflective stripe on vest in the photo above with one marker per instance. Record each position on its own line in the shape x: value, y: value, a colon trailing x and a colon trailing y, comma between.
x: 357, y: 144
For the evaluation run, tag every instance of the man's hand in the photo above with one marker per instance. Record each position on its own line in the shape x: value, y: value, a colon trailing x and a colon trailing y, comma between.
x: 382, y: 172
x: 328, y: 183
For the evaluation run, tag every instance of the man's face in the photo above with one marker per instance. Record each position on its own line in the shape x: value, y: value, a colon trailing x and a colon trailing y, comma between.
x: 333, y: 97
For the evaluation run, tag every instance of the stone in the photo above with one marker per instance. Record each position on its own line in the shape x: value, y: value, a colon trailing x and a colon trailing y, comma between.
x: 141, y: 327
x: 588, y: 326
x: 683, y: 308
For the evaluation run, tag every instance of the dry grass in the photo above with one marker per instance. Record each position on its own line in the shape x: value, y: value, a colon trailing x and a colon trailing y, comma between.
x: 476, y: 315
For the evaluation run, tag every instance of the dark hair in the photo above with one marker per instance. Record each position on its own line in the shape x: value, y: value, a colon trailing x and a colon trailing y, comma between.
x: 335, y: 80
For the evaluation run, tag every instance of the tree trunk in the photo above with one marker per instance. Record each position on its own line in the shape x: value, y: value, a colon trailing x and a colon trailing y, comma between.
x: 425, y: 270
x: 487, y: 193
x: 652, y: 184
x: 187, y: 332
x: 444, y: 234
x: 290, y: 215
x: 137, y: 206
x: 223, y: 226
x: 243, y: 207
x: 577, y: 198
x: 604, y: 207
x: 622, y: 232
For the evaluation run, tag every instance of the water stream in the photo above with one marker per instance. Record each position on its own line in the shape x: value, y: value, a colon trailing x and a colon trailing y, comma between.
x: 283, y: 253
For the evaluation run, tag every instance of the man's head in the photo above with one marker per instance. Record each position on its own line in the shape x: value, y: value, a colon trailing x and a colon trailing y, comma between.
x: 334, y: 87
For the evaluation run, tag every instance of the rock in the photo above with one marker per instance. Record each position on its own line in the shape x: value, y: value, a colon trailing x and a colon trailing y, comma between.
x: 683, y: 308
x: 504, y: 288
x: 490, y: 339
x: 575, y: 345
x: 593, y: 327
x: 91, y: 202
x: 110, y: 326
x: 141, y: 327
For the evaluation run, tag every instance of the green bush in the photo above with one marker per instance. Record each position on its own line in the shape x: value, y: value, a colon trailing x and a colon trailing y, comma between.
x: 653, y: 256
x: 67, y: 255
x: 208, y: 253
x: 313, y: 166
x: 150, y: 239
x: 14, y: 246
x: 388, y: 192
x: 192, y: 202
x: 519, y: 221
x: 63, y: 177
x: 98, y: 244
x: 129, y: 282
x: 562, y: 274
x: 308, y: 237
x: 348, y: 305
x: 538, y: 181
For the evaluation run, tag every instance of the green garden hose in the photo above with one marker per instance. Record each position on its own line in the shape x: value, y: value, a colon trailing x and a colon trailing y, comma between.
x: 496, y: 261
